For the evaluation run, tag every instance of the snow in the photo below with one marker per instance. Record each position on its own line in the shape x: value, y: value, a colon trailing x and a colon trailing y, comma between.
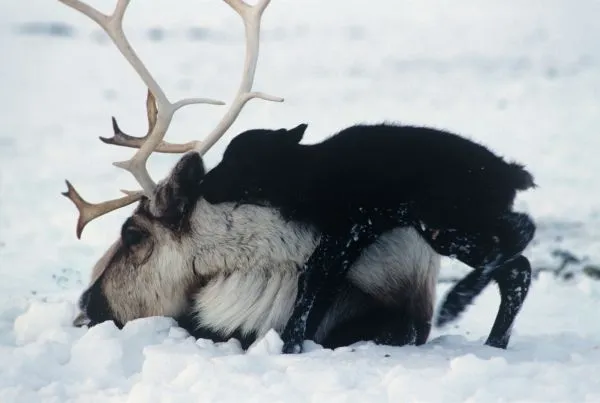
x: 151, y: 360
x: 520, y: 77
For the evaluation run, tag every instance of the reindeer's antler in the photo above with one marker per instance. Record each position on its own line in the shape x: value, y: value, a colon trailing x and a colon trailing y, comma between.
x: 113, y: 26
x: 89, y: 211
x: 251, y: 16
x: 120, y: 138
x: 160, y: 110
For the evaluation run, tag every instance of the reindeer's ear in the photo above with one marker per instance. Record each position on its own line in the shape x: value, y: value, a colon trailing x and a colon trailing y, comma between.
x: 189, y: 171
x: 177, y: 196
x: 295, y: 135
x: 184, y: 183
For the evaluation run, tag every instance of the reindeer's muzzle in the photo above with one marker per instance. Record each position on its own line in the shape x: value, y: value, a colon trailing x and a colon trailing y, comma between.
x: 94, y: 308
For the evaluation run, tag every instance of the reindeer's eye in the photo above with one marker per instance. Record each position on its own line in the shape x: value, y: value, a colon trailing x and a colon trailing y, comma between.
x: 132, y: 236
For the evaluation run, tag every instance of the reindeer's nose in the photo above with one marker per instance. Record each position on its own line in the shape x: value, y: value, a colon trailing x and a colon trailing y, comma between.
x: 81, y: 320
x: 94, y: 305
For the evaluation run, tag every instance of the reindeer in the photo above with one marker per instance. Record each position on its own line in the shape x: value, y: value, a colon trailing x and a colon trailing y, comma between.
x: 229, y: 270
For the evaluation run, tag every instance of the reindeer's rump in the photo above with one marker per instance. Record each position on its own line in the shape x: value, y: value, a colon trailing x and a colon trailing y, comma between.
x: 448, y: 180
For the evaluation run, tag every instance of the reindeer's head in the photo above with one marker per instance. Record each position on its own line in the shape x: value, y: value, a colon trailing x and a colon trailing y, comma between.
x: 149, y: 270
x: 174, y: 239
x: 175, y: 243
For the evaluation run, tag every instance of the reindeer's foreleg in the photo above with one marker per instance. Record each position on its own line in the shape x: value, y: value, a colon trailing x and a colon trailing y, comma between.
x: 325, y: 270
x: 319, y: 282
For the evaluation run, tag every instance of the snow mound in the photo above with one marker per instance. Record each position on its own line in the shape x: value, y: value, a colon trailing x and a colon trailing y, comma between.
x: 550, y: 358
x: 270, y: 344
x: 43, y: 321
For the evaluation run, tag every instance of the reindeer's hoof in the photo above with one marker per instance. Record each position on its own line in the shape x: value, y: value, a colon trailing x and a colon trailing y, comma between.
x: 501, y: 342
x: 292, y: 348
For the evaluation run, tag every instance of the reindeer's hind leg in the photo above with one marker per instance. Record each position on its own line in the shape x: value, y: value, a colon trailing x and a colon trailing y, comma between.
x: 403, y: 328
x: 381, y: 324
x: 414, y: 315
x: 388, y: 325
x: 513, y: 278
x: 395, y: 316
x: 385, y: 325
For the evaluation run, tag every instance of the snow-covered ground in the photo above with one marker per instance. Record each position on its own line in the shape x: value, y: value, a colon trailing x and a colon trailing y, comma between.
x: 521, y: 77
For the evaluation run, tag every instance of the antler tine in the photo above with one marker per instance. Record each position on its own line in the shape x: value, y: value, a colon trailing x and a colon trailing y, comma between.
x: 113, y: 26
x: 252, y: 18
x: 89, y: 211
x: 120, y: 138
x: 160, y: 110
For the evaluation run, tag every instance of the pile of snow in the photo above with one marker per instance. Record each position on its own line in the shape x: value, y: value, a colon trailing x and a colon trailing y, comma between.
x: 44, y: 359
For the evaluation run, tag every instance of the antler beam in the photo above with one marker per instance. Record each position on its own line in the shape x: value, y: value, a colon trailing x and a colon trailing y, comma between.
x: 113, y: 26
x: 160, y: 110
x: 125, y: 140
x: 251, y: 15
